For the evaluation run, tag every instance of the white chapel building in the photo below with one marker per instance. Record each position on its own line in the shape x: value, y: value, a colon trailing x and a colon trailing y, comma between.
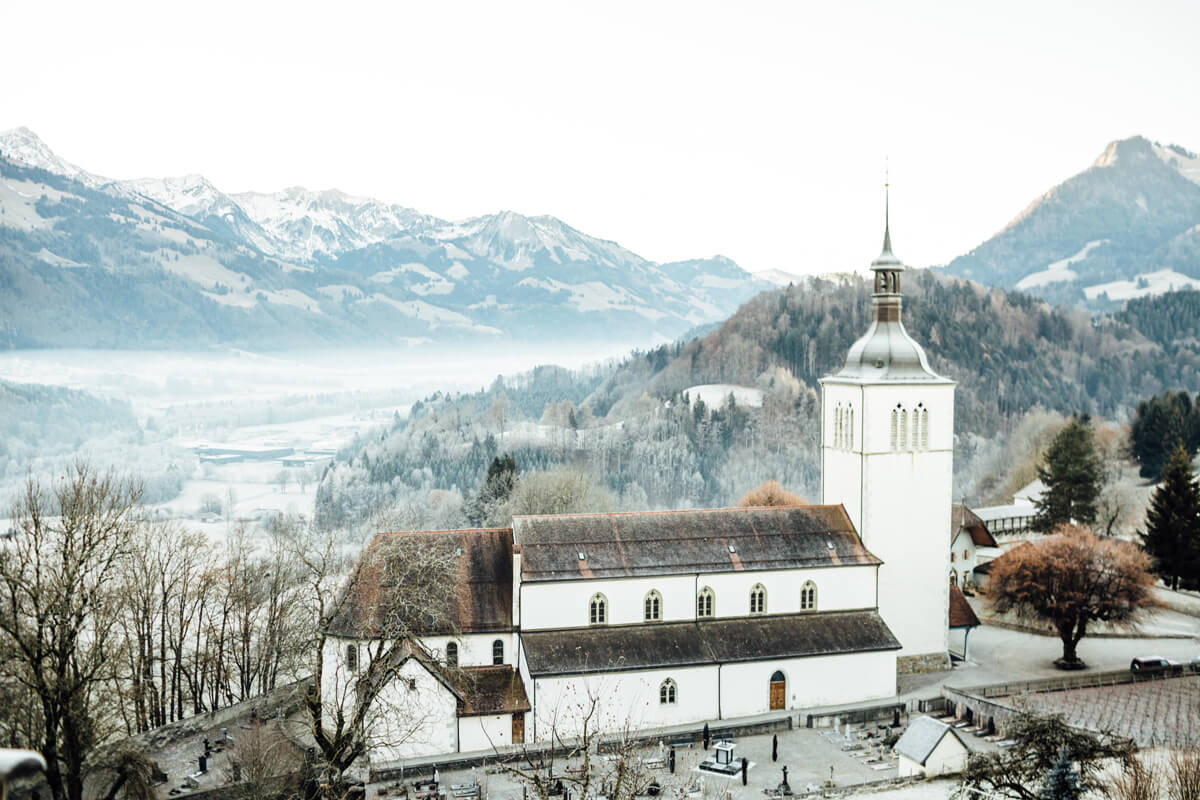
x: 678, y: 617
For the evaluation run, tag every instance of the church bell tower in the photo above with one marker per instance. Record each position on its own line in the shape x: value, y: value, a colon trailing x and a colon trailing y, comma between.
x: 887, y: 456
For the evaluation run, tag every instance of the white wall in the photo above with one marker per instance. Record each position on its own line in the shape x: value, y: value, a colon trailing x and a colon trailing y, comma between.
x: 963, y: 543
x: 899, y: 501
x: 484, y: 733
x: 838, y: 588
x: 813, y: 681
x: 404, y: 721
x: 474, y: 649
x: 624, y: 699
x: 565, y: 604
x: 948, y: 757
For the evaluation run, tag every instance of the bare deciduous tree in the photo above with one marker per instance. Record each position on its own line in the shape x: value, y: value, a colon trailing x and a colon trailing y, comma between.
x: 58, y: 605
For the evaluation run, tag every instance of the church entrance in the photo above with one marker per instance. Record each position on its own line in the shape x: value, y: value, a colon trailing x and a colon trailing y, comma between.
x: 778, y: 691
x: 518, y: 731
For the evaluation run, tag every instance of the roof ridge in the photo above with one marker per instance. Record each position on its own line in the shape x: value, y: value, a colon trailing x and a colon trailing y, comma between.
x: 674, y: 511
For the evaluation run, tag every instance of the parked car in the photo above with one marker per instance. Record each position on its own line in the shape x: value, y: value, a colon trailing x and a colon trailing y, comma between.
x: 1151, y: 664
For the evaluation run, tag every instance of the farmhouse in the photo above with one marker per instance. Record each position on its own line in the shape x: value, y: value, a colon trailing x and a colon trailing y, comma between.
x: 651, y: 619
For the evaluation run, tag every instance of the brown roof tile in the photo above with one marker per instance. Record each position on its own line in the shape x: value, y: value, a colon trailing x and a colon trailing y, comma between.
x: 680, y: 644
x: 491, y: 690
x: 675, y: 542
x: 484, y: 584
x: 961, y: 613
x: 963, y: 518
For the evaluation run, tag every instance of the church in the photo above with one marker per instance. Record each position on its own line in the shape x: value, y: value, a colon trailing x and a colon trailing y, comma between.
x: 642, y: 620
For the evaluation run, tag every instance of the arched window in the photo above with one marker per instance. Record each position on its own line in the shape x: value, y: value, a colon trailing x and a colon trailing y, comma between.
x: 452, y: 654
x: 808, y: 596
x: 668, y: 693
x: 758, y: 599
x: 850, y: 432
x: 352, y: 658
x: 498, y: 652
x: 598, y: 610
x: 705, y: 602
x: 837, y: 427
x: 896, y: 428
x: 653, y: 606
x: 904, y: 430
x: 924, y: 428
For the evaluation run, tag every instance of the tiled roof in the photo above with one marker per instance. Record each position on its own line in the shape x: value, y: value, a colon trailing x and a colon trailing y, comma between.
x: 680, y: 644
x: 483, y: 599
x: 961, y: 613
x: 677, y: 542
x: 491, y: 690
x: 964, y: 519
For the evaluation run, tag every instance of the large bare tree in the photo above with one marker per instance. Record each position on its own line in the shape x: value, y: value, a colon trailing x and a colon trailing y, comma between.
x: 59, y: 578
x: 1071, y: 580
x: 403, y: 586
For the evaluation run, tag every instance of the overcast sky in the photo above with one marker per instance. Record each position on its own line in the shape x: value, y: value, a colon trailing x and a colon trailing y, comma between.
x: 754, y: 130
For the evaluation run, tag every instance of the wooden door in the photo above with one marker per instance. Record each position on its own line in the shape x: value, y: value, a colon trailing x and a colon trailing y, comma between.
x: 518, y: 731
x: 778, y: 695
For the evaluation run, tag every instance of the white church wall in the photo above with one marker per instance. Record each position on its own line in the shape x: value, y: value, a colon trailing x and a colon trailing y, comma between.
x: 625, y: 700
x: 812, y: 681
x: 474, y: 649
x: 565, y: 604
x: 484, y: 733
x: 414, y: 715
x: 838, y: 588
x: 841, y: 476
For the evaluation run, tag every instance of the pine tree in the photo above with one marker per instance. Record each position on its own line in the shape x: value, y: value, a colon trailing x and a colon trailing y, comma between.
x: 1172, y: 535
x: 1072, y: 476
x: 1062, y: 780
x: 1159, y: 424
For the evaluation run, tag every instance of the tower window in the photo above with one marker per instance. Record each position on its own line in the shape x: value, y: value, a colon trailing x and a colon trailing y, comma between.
x: 668, y: 693
x: 808, y: 596
x: 498, y: 652
x: 653, y: 606
x: 904, y: 444
x: 758, y: 599
x: 598, y: 610
x: 352, y: 658
x: 850, y: 432
x: 705, y: 602
x: 452, y: 654
x: 924, y: 428
x: 896, y: 428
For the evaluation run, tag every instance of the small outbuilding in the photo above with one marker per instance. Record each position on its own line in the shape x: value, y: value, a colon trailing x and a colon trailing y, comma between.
x: 931, y: 747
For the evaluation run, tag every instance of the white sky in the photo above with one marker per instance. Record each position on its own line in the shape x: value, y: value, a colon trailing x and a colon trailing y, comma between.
x: 755, y: 130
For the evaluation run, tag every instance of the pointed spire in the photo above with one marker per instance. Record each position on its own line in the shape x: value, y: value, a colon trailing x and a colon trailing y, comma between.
x: 887, y: 259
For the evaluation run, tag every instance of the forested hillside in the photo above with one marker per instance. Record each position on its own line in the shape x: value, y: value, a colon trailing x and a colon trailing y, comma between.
x: 634, y: 429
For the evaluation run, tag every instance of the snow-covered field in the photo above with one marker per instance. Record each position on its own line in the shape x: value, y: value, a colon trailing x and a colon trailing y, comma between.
x: 714, y: 394
x: 1059, y: 271
x: 1157, y: 282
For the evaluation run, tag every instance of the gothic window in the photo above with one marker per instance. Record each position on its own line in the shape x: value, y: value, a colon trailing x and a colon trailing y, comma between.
x: 850, y: 432
x: 808, y: 596
x: 653, y: 606
x: 904, y: 430
x: 352, y: 658
x: 497, y: 652
x: 452, y: 654
x: 598, y: 610
x: 705, y: 602
x: 668, y: 693
x: 924, y: 428
x: 896, y: 428
x: 758, y: 599
x: 837, y: 428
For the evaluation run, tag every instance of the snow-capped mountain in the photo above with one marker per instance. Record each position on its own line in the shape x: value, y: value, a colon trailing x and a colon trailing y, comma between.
x: 161, y: 262
x: 306, y: 224
x: 1126, y: 227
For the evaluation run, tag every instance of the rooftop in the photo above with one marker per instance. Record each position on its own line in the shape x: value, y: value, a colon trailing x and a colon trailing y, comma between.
x: 679, y: 542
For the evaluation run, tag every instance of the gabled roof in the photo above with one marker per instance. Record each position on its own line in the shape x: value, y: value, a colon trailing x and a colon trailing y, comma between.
x: 483, y: 600
x: 679, y: 542
x: 491, y: 690
x: 961, y: 613
x: 922, y: 738
x: 964, y: 519
x: 679, y: 644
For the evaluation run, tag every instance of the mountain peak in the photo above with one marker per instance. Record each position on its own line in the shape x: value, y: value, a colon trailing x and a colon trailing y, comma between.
x: 1123, y: 150
x: 23, y: 145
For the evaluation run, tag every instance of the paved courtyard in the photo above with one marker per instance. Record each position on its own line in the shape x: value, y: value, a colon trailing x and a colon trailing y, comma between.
x: 809, y: 755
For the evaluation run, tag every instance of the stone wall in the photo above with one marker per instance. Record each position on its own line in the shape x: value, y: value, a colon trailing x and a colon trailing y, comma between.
x: 929, y: 662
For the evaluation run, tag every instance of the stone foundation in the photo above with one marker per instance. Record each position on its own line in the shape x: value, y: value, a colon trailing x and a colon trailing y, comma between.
x: 928, y: 662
